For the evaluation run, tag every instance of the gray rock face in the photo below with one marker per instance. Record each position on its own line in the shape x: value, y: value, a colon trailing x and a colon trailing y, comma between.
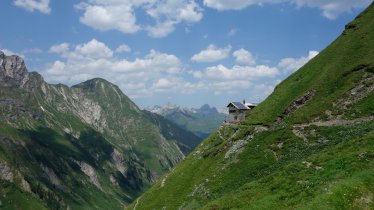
x: 90, y: 172
x: 5, y: 172
x: 13, y: 71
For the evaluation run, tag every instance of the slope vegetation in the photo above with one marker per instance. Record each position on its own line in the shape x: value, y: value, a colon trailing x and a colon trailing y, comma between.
x: 309, y: 145
x: 84, y: 147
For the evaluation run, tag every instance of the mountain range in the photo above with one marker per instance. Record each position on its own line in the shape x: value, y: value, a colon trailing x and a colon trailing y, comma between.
x: 200, y: 121
x: 82, y: 147
x: 309, y: 145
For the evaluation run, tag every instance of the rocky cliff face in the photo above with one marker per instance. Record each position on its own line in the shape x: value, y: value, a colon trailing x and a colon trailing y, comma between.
x: 62, y: 143
x: 13, y: 71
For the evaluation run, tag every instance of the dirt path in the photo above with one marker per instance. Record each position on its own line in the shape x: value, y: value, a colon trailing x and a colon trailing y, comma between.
x: 298, y: 129
x: 136, y: 204
x: 336, y: 122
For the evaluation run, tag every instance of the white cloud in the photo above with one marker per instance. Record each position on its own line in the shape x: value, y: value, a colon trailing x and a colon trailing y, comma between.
x: 31, y: 5
x: 107, y: 16
x: 119, y: 15
x: 163, y: 83
x: 331, y: 9
x: 293, y: 64
x: 60, y: 48
x: 123, y: 48
x: 94, y: 49
x: 171, y: 12
x: 211, y: 54
x: 95, y: 59
x: 161, y: 29
x: 242, y: 56
x: 240, y: 72
x: 157, y: 72
x: 232, y: 32
x: 57, y: 68
x: 10, y: 52
x: 235, y: 4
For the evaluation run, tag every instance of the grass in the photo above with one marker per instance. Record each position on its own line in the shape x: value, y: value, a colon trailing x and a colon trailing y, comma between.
x: 14, y: 199
x: 276, y: 169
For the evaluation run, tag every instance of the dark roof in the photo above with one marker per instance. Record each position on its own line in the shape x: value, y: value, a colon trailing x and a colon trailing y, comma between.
x: 238, y: 105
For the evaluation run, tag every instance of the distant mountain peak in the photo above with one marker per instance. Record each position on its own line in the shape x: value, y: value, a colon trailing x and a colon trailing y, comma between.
x: 206, y: 109
x: 13, y: 71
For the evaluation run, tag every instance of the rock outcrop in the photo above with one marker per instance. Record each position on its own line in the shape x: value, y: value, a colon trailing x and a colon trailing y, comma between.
x: 13, y: 71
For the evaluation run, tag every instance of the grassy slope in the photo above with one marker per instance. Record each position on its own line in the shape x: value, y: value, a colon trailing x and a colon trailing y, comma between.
x: 26, y: 143
x: 47, y: 147
x: 277, y: 169
x: 185, y: 139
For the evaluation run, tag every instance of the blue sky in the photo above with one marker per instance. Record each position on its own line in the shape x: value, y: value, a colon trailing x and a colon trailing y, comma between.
x: 187, y: 52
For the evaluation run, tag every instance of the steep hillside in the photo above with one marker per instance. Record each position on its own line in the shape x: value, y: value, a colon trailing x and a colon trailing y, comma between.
x: 85, y: 147
x: 309, y: 145
x: 186, y: 140
x: 202, y: 122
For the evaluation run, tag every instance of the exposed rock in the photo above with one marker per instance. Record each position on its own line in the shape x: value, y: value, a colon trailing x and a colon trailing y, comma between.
x: 307, y: 164
x: 6, y: 172
x: 234, y: 149
x: 362, y: 90
x: 299, y: 102
x: 113, y: 180
x: 13, y: 71
x: 25, y: 185
x: 51, y: 175
x: 200, y: 190
x: 90, y: 172
x: 90, y: 112
x: 119, y: 161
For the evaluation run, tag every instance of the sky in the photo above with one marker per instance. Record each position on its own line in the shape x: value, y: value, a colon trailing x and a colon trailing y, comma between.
x: 186, y: 52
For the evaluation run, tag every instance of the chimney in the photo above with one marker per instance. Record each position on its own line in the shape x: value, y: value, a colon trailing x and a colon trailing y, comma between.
x: 243, y: 101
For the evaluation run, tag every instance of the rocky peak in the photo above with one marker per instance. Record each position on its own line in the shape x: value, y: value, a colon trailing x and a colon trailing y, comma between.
x: 13, y: 71
x: 206, y: 109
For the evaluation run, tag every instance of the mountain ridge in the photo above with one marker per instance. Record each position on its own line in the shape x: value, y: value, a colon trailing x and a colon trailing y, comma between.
x: 86, y: 146
x: 200, y: 121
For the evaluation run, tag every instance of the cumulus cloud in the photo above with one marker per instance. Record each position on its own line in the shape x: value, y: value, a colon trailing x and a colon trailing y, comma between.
x: 211, y: 54
x: 169, y: 13
x: 95, y: 59
x: 94, y: 49
x: 123, y: 48
x: 32, y: 5
x: 158, y: 72
x: 331, y: 9
x: 119, y: 15
x: 220, y: 79
x: 243, y: 56
x: 234, y: 4
x: 60, y: 48
x: 293, y: 64
x: 240, y: 72
x: 257, y: 80
x: 106, y: 16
